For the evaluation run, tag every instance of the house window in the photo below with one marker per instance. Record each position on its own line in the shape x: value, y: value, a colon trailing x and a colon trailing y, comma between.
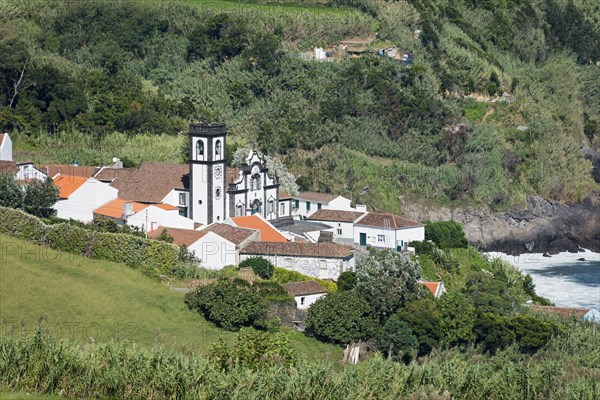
x: 238, y: 210
x: 381, y: 238
x: 218, y: 148
x: 308, y: 206
x: 182, y: 199
x: 183, y: 211
x: 323, y: 264
x: 271, y: 206
x: 200, y: 150
x: 281, y: 208
x: 339, y: 231
x: 318, y: 206
x: 302, y: 300
x: 297, y: 204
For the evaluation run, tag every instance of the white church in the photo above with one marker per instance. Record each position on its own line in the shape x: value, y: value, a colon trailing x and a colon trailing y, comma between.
x: 217, y: 192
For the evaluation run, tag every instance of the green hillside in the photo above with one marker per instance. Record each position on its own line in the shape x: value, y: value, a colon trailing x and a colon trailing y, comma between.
x: 124, y: 78
x: 96, y: 301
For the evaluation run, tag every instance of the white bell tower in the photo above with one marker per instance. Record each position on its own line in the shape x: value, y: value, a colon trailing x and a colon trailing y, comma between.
x: 208, y: 156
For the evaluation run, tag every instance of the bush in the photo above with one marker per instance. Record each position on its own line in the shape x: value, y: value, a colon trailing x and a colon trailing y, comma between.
x: 229, y: 304
x: 532, y: 333
x: 19, y: 224
x: 273, y: 291
x: 446, y: 234
x: 397, y: 340
x: 11, y: 194
x: 70, y: 238
x: 423, y: 247
x: 341, y: 317
x: 283, y: 275
x: 426, y: 323
x: 346, y: 281
x: 445, y: 260
x: 261, y: 266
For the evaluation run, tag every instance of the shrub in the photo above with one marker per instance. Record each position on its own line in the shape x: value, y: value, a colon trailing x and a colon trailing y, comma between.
x: 69, y: 238
x: 397, y: 339
x: 11, y: 194
x: 283, y: 275
x: 346, y: 281
x: 273, y: 291
x: 446, y: 234
x: 425, y: 321
x: 229, y: 304
x: 261, y: 266
x: 39, y: 197
x: 532, y: 333
x: 423, y: 247
x: 21, y: 225
x: 341, y: 317
x: 445, y: 260
x: 492, y: 332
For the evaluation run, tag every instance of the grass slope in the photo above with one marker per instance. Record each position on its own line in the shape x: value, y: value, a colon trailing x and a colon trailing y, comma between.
x: 89, y: 300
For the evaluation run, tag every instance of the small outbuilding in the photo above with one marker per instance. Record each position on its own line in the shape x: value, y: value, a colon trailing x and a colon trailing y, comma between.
x: 305, y: 293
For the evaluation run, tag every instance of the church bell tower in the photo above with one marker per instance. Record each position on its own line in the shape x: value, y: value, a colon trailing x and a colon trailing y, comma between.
x: 207, y: 157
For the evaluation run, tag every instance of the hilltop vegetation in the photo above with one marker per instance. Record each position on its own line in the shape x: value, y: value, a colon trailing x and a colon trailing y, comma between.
x: 123, y: 78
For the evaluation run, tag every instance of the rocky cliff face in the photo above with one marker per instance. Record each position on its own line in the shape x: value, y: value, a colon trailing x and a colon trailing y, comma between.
x: 539, y: 226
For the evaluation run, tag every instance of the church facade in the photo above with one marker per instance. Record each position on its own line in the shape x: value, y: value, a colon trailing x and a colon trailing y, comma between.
x: 217, y: 192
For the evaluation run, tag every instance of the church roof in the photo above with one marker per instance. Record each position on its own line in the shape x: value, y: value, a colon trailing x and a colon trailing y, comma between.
x: 232, y: 233
x: 335, y: 215
x: 315, y: 196
x: 298, y: 249
x: 382, y: 220
x: 268, y: 233
x: 151, y: 182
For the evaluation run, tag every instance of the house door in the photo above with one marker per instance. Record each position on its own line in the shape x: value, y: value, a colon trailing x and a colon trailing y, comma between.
x: 363, y: 239
x: 400, y: 245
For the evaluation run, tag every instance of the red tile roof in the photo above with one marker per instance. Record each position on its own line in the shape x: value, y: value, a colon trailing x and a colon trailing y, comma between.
x: 68, y: 184
x: 181, y: 237
x: 562, y: 311
x: 232, y: 233
x: 1, y: 138
x: 315, y: 196
x: 268, y: 233
x: 335, y: 215
x: 298, y: 249
x: 71, y: 170
x: 304, y: 288
x: 8, y: 166
x: 436, y: 288
x: 232, y: 174
x: 284, y: 195
x: 382, y: 220
x: 114, y: 208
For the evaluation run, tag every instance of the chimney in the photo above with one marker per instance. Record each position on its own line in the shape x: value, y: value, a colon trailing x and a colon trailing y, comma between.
x: 127, y: 209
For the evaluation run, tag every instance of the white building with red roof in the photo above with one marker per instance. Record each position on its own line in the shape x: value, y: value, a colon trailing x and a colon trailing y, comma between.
x: 307, y: 203
x: 387, y: 231
x: 79, y: 196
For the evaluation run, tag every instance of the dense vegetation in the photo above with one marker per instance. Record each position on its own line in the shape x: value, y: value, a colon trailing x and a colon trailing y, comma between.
x: 257, y: 368
x: 123, y: 78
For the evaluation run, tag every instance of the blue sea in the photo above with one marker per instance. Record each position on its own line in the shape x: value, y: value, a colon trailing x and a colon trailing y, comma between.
x: 561, y: 278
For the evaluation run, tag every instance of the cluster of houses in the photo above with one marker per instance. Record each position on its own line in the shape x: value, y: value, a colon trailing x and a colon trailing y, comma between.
x: 224, y: 214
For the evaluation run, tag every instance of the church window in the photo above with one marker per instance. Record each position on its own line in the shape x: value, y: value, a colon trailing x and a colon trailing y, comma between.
x: 282, y: 208
x: 200, y: 150
x: 218, y: 193
x: 238, y: 210
x: 218, y: 148
x: 271, y: 206
x: 255, y: 184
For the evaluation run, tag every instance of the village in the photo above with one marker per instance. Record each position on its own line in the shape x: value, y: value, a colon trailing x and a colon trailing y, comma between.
x: 225, y: 215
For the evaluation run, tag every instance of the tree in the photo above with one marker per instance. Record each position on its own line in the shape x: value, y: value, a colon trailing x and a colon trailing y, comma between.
x: 165, y: 237
x: 457, y: 318
x: 11, y: 194
x: 446, y: 234
x: 346, y: 281
x: 229, y: 304
x: 40, y: 196
x: 261, y: 266
x: 532, y: 333
x: 287, y: 181
x: 492, y: 332
x: 397, y: 339
x: 341, y: 317
x: 388, y: 280
x: 425, y: 320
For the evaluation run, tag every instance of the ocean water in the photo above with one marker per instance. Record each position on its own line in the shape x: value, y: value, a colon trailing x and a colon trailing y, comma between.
x: 561, y: 278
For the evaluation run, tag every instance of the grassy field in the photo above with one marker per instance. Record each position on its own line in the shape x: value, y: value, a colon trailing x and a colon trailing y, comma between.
x: 279, y: 6
x: 27, y: 396
x: 89, y: 300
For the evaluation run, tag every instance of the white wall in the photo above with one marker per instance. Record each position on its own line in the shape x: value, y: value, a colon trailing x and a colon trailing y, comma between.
x: 28, y: 171
x: 81, y: 203
x: 392, y: 238
x: 339, y: 203
x: 287, y: 208
x: 6, y: 153
x: 322, y: 268
x: 215, y: 251
x: 309, y: 299
x: 152, y: 217
x: 173, y: 199
x: 347, y: 228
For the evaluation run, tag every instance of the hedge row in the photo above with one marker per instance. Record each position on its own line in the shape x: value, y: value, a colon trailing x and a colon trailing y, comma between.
x: 151, y: 256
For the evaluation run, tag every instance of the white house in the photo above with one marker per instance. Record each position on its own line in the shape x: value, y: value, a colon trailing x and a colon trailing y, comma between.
x: 341, y: 222
x: 387, y: 231
x: 306, y: 203
x: 146, y: 217
x: 6, y: 153
x: 80, y: 196
x: 319, y: 260
x: 28, y: 171
x: 217, y: 245
x: 305, y: 293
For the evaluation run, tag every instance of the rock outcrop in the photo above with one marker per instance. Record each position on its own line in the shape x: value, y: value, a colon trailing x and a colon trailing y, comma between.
x: 538, y: 227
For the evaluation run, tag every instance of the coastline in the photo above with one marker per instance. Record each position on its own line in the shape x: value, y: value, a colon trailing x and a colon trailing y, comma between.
x: 561, y: 277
